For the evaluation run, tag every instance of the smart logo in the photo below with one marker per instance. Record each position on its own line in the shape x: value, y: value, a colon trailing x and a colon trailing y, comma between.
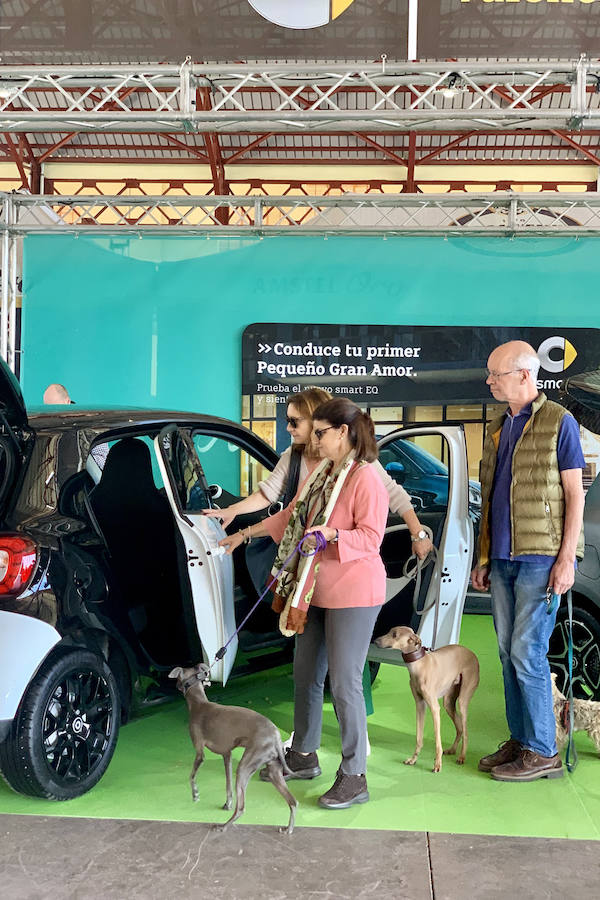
x: 304, y: 14
x: 560, y: 360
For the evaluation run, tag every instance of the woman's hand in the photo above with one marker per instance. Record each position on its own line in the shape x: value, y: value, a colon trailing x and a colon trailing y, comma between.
x: 224, y: 515
x: 327, y: 532
x: 231, y: 542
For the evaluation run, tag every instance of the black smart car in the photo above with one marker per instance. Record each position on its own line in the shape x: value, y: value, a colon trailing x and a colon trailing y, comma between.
x: 109, y: 576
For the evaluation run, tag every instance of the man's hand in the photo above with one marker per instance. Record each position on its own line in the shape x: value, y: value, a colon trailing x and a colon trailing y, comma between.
x: 562, y: 576
x: 480, y: 578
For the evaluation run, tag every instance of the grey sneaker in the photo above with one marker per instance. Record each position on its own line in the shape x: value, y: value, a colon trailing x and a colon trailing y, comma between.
x: 300, y: 766
x: 345, y: 791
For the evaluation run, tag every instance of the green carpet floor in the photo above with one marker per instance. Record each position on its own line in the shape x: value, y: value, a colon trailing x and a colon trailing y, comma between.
x: 148, y: 777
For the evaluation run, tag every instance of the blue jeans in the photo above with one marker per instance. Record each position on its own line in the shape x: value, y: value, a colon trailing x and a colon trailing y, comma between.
x: 523, y: 628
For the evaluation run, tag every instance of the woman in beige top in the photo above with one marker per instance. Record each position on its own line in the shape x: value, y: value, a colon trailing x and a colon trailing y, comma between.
x: 300, y: 426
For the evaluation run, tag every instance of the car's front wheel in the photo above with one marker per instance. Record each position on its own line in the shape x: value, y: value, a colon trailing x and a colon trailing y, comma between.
x: 586, y: 653
x: 66, y: 728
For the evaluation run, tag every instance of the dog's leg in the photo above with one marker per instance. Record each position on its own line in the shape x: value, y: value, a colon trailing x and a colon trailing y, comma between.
x: 275, y: 772
x: 197, y: 763
x: 228, y: 773
x: 420, y: 705
x: 242, y: 776
x: 450, y: 707
x: 434, y: 706
x: 468, y: 686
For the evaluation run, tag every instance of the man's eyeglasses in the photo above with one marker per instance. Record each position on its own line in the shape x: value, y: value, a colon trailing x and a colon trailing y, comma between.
x: 293, y: 420
x: 501, y: 374
x: 319, y: 432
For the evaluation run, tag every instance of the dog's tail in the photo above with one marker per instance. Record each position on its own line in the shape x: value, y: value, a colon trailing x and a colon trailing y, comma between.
x: 281, y: 757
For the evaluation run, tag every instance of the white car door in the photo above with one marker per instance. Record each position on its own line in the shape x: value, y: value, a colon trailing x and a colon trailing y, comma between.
x: 210, y: 572
x: 431, y: 464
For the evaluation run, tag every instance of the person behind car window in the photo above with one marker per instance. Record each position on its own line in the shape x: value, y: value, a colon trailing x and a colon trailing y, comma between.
x: 331, y: 600
x: 300, y: 411
x: 56, y: 395
x: 530, y: 535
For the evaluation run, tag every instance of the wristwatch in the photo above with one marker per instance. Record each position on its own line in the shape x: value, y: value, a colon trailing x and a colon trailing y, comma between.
x: 419, y: 536
x: 334, y: 540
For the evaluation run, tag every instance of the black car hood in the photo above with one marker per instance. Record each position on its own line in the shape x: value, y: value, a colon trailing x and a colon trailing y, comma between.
x: 12, y: 404
x: 581, y: 396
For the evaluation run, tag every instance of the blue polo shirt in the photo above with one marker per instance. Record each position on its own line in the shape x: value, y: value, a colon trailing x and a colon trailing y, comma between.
x: 569, y: 456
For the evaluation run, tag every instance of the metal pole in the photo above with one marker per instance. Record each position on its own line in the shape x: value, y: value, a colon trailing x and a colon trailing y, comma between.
x: 11, y: 357
x: 5, y: 279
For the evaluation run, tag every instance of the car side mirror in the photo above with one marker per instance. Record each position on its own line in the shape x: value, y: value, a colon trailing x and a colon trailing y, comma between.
x: 396, y: 471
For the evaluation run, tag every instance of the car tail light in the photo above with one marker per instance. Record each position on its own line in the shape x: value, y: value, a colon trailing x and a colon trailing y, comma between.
x: 18, y: 556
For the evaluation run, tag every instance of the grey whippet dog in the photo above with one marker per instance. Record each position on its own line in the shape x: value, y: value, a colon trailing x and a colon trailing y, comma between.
x: 221, y: 728
x: 452, y: 672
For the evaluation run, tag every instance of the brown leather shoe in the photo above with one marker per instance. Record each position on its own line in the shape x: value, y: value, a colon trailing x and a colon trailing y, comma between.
x: 506, y: 753
x: 529, y: 767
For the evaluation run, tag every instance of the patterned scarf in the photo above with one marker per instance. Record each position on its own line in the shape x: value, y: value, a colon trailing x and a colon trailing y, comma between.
x: 296, y: 583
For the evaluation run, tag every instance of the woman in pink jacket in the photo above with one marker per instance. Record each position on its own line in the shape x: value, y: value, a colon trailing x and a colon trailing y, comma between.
x: 332, y: 599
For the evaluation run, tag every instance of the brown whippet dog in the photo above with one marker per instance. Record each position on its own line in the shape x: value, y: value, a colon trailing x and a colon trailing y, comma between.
x: 221, y: 728
x: 451, y: 672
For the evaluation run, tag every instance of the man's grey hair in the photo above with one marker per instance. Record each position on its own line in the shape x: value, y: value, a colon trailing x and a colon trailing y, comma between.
x: 530, y: 361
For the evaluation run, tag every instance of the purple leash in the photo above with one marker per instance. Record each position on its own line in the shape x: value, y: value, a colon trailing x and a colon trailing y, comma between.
x: 321, y: 543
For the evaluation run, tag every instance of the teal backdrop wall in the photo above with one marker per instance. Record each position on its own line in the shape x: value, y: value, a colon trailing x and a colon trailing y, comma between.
x: 157, y: 322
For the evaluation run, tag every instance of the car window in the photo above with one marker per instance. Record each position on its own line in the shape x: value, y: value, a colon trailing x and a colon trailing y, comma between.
x: 99, y: 452
x: 189, y: 481
x: 417, y: 463
x: 236, y: 471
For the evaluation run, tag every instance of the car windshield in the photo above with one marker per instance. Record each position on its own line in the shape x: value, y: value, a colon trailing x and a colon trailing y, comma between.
x: 403, y: 450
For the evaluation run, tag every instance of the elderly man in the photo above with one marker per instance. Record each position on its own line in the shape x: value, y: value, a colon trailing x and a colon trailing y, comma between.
x: 531, y: 533
x: 56, y: 395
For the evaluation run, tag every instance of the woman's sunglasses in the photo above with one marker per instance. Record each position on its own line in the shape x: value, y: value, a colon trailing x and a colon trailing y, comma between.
x: 293, y: 420
x: 319, y: 432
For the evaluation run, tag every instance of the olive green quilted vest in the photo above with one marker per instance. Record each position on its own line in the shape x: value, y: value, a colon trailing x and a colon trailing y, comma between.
x: 537, y: 497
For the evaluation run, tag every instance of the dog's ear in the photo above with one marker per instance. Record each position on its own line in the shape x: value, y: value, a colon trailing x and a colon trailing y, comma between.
x: 415, y: 640
x: 176, y: 672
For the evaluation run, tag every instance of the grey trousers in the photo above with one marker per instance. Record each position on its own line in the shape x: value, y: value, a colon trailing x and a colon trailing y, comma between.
x: 338, y: 640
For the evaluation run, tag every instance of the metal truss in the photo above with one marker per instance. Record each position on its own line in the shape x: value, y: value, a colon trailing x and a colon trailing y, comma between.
x: 500, y: 213
x: 507, y: 214
x: 301, y: 97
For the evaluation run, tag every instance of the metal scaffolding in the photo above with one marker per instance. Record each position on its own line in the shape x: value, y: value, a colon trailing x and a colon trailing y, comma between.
x: 506, y: 214
x: 300, y: 97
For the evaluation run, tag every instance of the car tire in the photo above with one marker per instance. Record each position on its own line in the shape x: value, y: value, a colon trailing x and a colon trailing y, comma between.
x: 66, y: 728
x: 586, y: 653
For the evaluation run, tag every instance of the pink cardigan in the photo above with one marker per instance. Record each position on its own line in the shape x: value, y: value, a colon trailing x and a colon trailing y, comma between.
x: 351, y: 572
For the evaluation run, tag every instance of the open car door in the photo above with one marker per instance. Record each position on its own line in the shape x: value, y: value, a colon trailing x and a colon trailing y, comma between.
x: 210, y: 576
x: 431, y: 464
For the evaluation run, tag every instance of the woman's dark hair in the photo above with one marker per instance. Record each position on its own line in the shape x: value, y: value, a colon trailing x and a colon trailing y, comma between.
x: 361, y: 431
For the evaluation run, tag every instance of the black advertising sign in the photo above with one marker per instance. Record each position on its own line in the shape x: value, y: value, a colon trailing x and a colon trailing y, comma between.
x: 94, y: 31
x: 560, y: 29
x: 395, y: 365
x: 207, y: 30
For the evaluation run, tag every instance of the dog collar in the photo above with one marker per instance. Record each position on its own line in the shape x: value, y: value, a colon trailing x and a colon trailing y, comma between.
x: 414, y: 655
x: 186, y: 685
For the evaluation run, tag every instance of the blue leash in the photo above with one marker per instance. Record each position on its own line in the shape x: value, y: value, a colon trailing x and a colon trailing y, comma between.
x: 321, y: 543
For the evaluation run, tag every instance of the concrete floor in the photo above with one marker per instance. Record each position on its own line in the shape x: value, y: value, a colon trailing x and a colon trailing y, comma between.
x: 78, y: 859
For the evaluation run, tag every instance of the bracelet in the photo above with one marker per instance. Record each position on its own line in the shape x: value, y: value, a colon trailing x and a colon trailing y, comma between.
x: 247, y: 537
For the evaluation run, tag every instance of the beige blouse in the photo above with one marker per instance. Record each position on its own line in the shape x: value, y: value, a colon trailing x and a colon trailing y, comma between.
x: 274, y: 486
